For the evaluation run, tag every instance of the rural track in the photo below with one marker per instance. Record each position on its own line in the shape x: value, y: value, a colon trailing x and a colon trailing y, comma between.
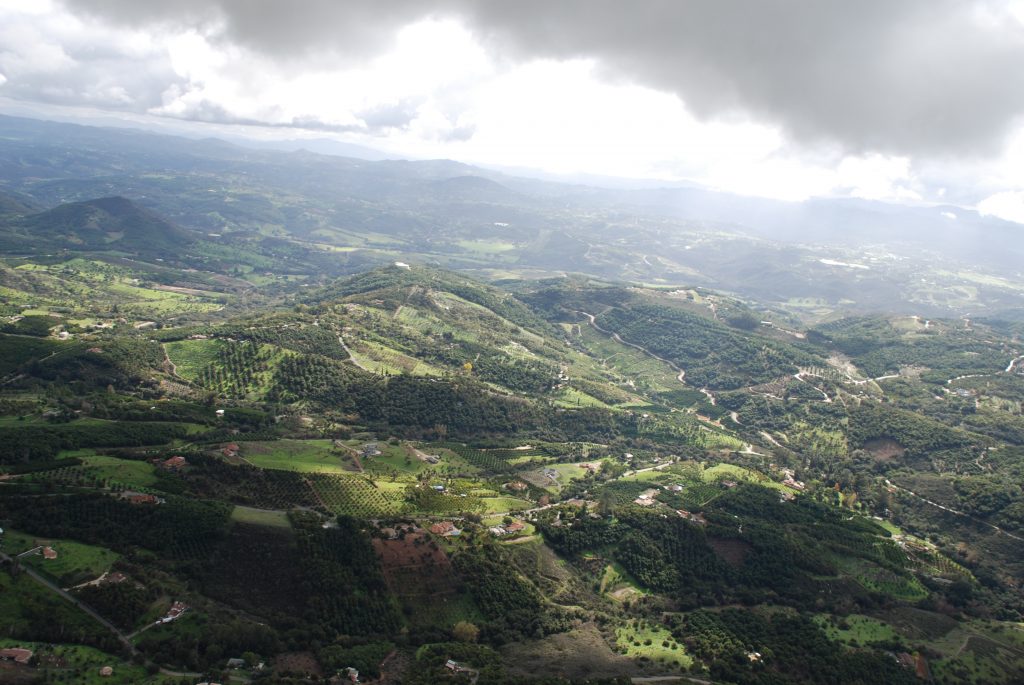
x: 618, y: 339
x: 67, y: 596
x: 121, y: 637
x: 955, y: 512
x: 351, y: 357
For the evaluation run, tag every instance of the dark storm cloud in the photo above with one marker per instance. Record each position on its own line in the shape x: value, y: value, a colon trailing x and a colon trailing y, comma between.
x: 924, y: 77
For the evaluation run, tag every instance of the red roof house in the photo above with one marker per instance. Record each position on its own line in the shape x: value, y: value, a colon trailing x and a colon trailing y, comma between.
x: 175, y: 463
x: 17, y: 654
x: 444, y: 528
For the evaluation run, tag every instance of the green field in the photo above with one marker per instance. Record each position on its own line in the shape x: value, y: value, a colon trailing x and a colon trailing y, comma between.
x: 261, y: 517
x: 732, y: 472
x: 192, y: 356
x: 640, y: 639
x: 856, y: 630
x: 75, y: 562
x: 304, y: 456
x: 132, y: 473
x: 81, y: 665
x: 502, y: 504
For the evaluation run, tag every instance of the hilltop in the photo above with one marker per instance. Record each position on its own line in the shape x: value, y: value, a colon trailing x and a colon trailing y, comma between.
x: 110, y: 223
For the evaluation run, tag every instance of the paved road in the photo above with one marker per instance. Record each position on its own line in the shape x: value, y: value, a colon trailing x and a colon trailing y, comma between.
x: 71, y: 598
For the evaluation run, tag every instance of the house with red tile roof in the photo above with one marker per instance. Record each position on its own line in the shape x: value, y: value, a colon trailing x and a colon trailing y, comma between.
x: 175, y: 463
x: 444, y: 528
x: 16, y: 654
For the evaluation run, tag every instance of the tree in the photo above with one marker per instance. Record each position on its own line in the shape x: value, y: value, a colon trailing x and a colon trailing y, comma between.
x: 464, y: 631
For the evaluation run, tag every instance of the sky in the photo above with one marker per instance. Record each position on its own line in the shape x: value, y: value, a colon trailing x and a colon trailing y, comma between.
x: 916, y: 101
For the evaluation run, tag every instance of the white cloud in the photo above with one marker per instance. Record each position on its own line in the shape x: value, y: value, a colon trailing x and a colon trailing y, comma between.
x: 1008, y: 205
x: 436, y: 89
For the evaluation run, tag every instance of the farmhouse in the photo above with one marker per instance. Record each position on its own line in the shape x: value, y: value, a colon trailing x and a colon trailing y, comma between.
x: 793, y: 483
x: 646, y: 498
x: 133, y: 497
x: 16, y: 654
x: 517, y: 486
x: 49, y: 553
x: 176, y: 610
x: 230, y: 451
x: 444, y: 528
x: 175, y: 463
x: 515, y: 527
x: 692, y: 518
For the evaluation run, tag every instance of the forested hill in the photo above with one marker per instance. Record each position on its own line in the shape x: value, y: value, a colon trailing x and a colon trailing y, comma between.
x: 105, y: 223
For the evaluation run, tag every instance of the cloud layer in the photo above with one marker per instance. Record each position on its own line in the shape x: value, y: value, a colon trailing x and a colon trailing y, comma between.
x: 908, y: 100
x: 921, y: 77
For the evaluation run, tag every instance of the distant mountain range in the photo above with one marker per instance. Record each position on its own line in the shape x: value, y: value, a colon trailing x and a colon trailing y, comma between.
x: 300, y: 212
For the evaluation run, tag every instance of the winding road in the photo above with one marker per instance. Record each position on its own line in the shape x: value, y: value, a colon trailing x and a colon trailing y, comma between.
x: 954, y: 511
x: 618, y: 339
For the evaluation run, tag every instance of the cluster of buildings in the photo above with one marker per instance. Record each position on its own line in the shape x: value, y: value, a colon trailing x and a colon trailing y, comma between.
x: 176, y: 610
x: 508, y: 529
x: 790, y: 480
x: 692, y: 518
x: 445, y: 529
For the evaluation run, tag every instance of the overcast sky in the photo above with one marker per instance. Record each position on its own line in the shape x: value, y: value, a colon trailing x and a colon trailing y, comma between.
x: 914, y: 100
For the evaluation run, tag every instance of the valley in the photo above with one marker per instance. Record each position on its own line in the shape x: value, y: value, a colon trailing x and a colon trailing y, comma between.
x: 398, y: 416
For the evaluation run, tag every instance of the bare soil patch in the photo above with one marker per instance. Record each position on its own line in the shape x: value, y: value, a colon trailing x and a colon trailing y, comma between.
x: 414, y: 567
x: 303, y: 663
x: 884, y: 449
x: 733, y: 552
x: 580, y: 653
